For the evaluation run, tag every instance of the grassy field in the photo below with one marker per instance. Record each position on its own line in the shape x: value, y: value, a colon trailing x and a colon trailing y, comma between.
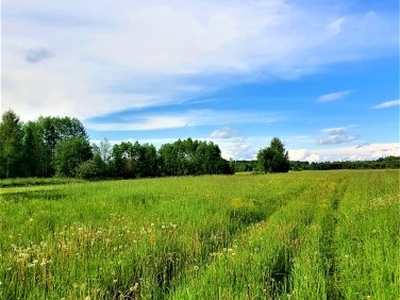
x: 305, y: 235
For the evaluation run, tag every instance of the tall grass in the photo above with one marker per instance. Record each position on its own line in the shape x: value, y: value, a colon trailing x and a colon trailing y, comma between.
x: 308, y: 235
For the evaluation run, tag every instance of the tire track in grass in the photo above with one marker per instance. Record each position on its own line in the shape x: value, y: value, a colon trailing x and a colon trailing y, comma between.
x: 249, y: 272
x: 327, y: 238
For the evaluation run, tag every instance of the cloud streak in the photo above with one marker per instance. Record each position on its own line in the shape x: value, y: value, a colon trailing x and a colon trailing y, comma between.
x: 334, y: 96
x: 191, y: 118
x: 224, y: 133
x: 388, y: 104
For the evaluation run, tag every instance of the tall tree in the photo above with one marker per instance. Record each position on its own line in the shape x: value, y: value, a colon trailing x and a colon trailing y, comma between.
x: 273, y: 158
x: 70, y: 153
x: 11, y: 145
x: 34, y: 150
x: 54, y: 130
x: 105, y: 150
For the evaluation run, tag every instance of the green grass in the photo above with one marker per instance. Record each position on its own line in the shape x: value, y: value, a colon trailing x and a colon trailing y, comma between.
x: 31, y: 181
x: 308, y: 235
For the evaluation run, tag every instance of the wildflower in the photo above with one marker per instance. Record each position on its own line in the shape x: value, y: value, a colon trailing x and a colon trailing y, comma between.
x: 134, y: 288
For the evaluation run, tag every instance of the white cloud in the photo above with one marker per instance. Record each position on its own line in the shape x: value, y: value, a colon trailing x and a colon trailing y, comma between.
x: 367, y: 152
x: 161, y: 50
x: 333, y: 96
x: 224, y: 133
x: 239, y: 149
x: 336, y: 136
x: 388, y: 104
x: 189, y: 118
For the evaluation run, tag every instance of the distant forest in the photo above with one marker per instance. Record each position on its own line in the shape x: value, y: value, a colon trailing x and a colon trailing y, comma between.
x: 389, y: 162
x: 60, y: 146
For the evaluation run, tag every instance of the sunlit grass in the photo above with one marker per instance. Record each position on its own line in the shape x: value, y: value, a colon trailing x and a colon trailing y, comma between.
x: 309, y: 235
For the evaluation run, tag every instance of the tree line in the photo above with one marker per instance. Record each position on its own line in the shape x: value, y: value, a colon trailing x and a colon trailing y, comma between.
x: 60, y: 146
x: 389, y: 162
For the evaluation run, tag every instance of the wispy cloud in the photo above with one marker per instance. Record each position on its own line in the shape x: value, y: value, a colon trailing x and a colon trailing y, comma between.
x: 336, y: 136
x: 363, y: 145
x: 388, y: 104
x: 164, y: 49
x: 224, y: 133
x: 191, y: 118
x: 334, y: 96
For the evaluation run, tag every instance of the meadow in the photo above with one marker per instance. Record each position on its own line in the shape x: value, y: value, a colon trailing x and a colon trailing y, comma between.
x: 301, y: 235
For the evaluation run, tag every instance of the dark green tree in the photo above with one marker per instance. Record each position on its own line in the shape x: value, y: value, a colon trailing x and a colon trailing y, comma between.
x: 273, y: 158
x: 168, y: 160
x: 34, y: 150
x: 192, y: 157
x: 70, y: 153
x: 94, y: 168
x: 11, y: 145
x: 54, y: 130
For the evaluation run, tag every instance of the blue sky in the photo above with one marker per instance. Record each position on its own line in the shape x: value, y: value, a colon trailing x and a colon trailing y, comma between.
x: 323, y: 76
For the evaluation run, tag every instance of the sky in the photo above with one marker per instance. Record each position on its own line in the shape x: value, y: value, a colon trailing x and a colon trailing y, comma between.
x: 323, y: 76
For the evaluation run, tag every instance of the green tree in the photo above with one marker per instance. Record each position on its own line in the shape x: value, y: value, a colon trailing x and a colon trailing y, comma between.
x: 54, y: 130
x: 168, y: 160
x: 11, y: 145
x: 34, y: 150
x: 70, y: 153
x: 94, y: 168
x: 273, y: 158
x: 192, y: 157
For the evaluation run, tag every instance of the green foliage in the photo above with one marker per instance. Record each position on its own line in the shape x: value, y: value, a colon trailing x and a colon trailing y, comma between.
x: 134, y: 160
x: 190, y: 157
x: 34, y: 150
x: 29, y: 149
x: 94, y: 168
x: 69, y: 154
x: 273, y: 158
x: 54, y: 130
x: 11, y: 145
